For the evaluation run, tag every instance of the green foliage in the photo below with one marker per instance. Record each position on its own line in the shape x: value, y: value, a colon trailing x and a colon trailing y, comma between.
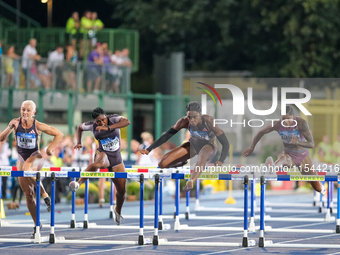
x: 93, y: 191
x: 292, y: 38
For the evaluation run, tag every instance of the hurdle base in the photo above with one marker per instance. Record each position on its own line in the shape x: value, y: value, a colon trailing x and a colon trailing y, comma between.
x: 155, y: 240
x: 245, y: 242
x: 160, y: 225
x: 331, y: 210
x: 73, y: 224
x: 337, y: 229
x: 86, y: 224
x: 111, y: 215
x: 52, y: 238
x: 141, y: 239
x: 261, y: 242
x: 320, y: 209
x: 186, y: 215
x: 174, y: 215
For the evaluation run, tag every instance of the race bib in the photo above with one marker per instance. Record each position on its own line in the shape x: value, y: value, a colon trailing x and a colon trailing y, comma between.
x: 26, y: 141
x: 110, y: 144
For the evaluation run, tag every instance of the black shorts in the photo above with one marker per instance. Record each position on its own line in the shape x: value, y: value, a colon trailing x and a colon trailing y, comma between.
x: 92, y: 74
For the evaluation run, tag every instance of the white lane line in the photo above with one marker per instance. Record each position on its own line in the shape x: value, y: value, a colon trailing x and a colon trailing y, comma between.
x: 91, y: 252
x: 15, y: 246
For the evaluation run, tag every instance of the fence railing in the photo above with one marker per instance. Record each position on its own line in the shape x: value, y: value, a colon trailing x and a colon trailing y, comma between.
x: 161, y: 105
x: 76, y: 76
x: 49, y: 38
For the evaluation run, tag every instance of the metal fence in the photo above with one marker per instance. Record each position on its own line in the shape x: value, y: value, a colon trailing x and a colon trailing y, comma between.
x: 77, y: 76
x: 49, y: 38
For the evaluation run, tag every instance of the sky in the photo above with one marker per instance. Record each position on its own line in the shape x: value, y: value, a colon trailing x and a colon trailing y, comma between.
x: 62, y: 10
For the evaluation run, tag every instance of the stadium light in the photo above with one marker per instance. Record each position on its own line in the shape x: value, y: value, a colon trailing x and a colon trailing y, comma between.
x: 49, y: 11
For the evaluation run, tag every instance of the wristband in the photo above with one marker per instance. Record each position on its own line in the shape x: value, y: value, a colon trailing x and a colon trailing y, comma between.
x: 109, y: 127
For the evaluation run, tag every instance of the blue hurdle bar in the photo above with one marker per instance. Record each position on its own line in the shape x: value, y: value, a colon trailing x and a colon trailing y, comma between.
x: 160, y: 219
x: 338, y: 210
x: 73, y: 217
x: 187, y: 204
x: 156, y: 223
x: 52, y: 234
x: 177, y: 205
x: 141, y: 210
x: 197, y: 193
x: 37, y: 218
x: 262, y: 208
x: 245, y: 233
x: 111, y: 198
x: 86, y: 221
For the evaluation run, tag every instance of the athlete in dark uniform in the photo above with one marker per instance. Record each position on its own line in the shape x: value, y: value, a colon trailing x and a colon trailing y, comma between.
x: 201, y: 142
x: 27, y: 131
x: 296, y: 138
x: 106, y: 130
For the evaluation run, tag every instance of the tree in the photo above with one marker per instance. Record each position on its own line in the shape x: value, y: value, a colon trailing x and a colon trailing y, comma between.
x: 283, y: 38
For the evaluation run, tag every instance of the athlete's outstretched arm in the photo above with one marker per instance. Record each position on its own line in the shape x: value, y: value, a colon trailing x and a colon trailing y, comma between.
x: 265, y: 130
x: 221, y: 137
x: 52, y: 132
x: 305, y: 131
x: 12, y: 125
x: 119, y: 122
x: 180, y: 124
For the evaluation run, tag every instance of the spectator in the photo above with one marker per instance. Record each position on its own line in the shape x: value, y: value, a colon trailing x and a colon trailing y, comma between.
x: 85, y: 27
x: 55, y: 65
x: 145, y: 159
x: 126, y: 61
x: 109, y: 78
x: 57, y: 161
x: 72, y: 26
x: 336, y: 149
x: 94, y: 67
x: 5, y: 153
x: 97, y: 25
x: 116, y: 61
x: 69, y: 67
x: 9, y: 67
x: 134, y: 146
x: 44, y: 75
x: 0, y: 49
x: 28, y: 56
x: 67, y: 146
x: 327, y: 148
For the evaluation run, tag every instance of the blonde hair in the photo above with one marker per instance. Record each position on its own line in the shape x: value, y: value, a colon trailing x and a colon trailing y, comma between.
x: 146, y: 135
x: 31, y: 103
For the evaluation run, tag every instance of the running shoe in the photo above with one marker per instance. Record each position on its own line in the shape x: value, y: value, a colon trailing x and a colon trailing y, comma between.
x: 101, y: 202
x: 118, y: 217
x: 47, y: 201
x: 188, y: 186
x: 74, y: 186
x: 32, y: 236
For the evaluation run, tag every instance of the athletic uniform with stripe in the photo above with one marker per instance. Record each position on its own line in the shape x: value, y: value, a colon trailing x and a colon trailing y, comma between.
x: 109, y: 141
x: 201, y: 135
x: 27, y: 141
x: 286, y: 134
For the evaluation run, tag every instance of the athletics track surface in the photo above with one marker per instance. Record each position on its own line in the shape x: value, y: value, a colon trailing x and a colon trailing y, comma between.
x: 101, y: 217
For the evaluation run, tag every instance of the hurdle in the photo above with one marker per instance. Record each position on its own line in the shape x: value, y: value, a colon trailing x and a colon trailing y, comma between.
x: 264, y: 243
x: 37, y: 237
x: 157, y: 241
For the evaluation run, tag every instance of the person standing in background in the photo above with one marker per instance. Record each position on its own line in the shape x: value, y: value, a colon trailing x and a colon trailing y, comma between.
x: 5, y: 153
x: 72, y: 27
x: 97, y: 25
x: 85, y: 27
x: 144, y: 160
x: 327, y: 148
x: 336, y: 148
x: 9, y: 67
x: 28, y: 56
